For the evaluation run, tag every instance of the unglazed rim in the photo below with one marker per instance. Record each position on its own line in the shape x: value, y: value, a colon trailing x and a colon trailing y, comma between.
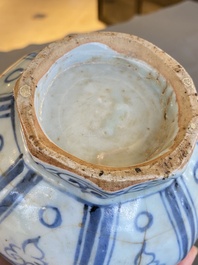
x: 111, y: 178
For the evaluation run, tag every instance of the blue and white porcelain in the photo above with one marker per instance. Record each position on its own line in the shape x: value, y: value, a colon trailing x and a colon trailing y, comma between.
x: 90, y: 200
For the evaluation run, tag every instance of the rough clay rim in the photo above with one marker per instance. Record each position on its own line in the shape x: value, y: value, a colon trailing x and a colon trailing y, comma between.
x: 109, y: 178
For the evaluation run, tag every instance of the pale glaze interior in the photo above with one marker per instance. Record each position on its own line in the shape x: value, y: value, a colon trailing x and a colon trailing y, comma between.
x: 106, y: 108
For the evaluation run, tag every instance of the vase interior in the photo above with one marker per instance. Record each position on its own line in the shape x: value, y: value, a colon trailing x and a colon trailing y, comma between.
x: 106, y: 108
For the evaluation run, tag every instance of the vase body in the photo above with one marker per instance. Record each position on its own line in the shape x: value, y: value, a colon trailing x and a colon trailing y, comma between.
x: 49, y: 215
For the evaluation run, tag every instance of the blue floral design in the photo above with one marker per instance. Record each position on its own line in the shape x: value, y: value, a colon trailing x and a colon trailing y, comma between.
x: 22, y: 255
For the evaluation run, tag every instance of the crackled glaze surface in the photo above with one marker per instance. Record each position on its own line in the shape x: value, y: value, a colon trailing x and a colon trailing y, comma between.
x: 107, y: 108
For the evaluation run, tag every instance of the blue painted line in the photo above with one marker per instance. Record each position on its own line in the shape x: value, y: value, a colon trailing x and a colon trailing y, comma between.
x: 34, y: 242
x: 190, y: 211
x: 5, y: 107
x: 94, y: 217
x: 57, y: 219
x: 31, y: 56
x: 6, y: 97
x: 9, y: 106
x: 87, y: 188
x: 195, y: 175
x: 6, y: 115
x: 1, y: 142
x: 12, y: 172
x: 163, y: 198
x: 114, y: 235
x: 17, y: 194
x: 11, y: 76
x: 12, y: 115
x: 149, y: 217
x: 80, y: 238
x: 105, y: 232
x: 150, y: 255
x: 95, y: 214
x: 171, y: 194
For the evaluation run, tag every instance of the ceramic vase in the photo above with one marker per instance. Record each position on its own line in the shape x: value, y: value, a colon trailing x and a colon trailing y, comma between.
x: 98, y: 155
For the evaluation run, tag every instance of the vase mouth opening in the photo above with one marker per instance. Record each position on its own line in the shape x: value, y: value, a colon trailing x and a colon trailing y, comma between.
x: 109, y: 107
x: 106, y: 108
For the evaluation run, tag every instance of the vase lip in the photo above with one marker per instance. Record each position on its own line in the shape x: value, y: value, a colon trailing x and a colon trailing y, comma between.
x: 110, y: 178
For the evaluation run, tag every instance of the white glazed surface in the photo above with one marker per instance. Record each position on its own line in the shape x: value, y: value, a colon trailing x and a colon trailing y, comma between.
x: 50, y: 219
x: 110, y: 109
